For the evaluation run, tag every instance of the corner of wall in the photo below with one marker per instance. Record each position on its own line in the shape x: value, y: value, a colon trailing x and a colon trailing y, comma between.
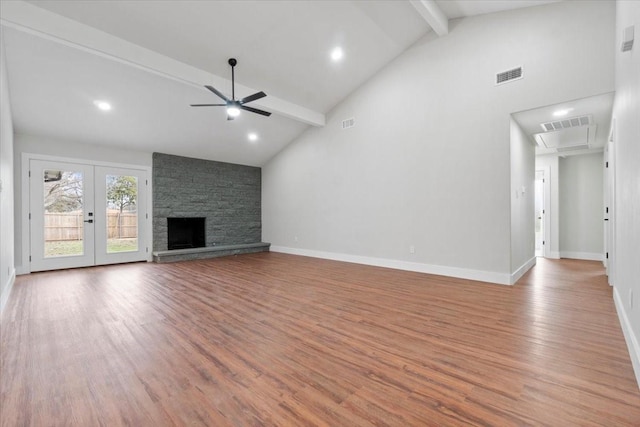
x: 7, y: 287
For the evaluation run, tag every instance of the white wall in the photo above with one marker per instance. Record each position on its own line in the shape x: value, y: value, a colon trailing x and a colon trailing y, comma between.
x: 73, y: 150
x: 581, y: 207
x: 522, y: 201
x: 428, y: 161
x: 7, y: 266
x: 626, y: 212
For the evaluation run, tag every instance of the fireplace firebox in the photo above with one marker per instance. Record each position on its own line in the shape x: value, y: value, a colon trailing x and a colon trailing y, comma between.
x: 185, y: 233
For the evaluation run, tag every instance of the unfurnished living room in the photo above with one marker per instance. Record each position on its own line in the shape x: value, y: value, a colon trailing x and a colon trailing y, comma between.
x: 320, y: 213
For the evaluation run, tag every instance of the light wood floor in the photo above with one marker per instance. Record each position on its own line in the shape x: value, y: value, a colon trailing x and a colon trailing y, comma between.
x: 274, y: 339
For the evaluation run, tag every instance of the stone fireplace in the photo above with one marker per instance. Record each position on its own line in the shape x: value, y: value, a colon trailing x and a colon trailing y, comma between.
x: 224, y: 199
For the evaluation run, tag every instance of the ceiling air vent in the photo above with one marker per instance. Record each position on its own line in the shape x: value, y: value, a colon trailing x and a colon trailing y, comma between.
x: 566, y: 123
x: 573, y: 148
x: 509, y: 75
x: 348, y: 123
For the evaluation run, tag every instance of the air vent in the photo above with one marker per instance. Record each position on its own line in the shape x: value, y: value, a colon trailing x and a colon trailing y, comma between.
x: 348, y: 123
x: 573, y: 148
x: 566, y: 123
x: 509, y: 75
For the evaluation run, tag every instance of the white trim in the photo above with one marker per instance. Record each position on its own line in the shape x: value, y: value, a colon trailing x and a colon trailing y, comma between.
x: 461, y: 273
x: 553, y: 255
x: 629, y: 336
x: 433, y: 15
x: 8, y: 287
x: 25, y: 268
x: 516, y: 275
x: 589, y: 256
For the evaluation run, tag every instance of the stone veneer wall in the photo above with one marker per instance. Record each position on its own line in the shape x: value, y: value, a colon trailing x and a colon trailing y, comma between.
x: 227, y: 195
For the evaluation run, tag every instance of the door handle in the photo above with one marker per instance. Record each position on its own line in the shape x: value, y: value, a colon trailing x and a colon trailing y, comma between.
x: 90, y: 221
x: 606, y: 219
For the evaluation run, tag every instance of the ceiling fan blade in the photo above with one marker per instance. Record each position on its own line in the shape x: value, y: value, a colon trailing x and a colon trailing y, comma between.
x: 208, y: 105
x: 255, y: 110
x: 253, y: 97
x: 217, y: 92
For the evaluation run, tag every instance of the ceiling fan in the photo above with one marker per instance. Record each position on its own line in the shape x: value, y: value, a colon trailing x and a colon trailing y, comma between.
x: 235, y: 105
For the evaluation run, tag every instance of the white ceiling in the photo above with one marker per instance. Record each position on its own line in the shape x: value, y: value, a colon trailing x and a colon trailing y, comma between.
x: 598, y: 107
x: 151, y: 58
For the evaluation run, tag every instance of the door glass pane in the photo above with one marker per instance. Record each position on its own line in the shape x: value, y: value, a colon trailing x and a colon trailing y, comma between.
x: 122, y: 213
x: 63, y: 213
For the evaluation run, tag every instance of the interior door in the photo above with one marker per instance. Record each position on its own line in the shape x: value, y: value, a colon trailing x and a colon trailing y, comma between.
x: 61, y: 214
x: 83, y: 215
x: 609, y: 206
x: 539, y: 198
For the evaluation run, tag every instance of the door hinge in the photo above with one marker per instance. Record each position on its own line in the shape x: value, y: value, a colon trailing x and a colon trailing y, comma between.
x: 29, y: 258
x: 147, y: 249
x: 29, y: 216
x: 542, y: 211
x: 146, y: 182
x: 607, y: 255
x: 606, y: 164
x: 146, y: 216
x: 607, y: 209
x: 543, y: 243
x: 29, y: 174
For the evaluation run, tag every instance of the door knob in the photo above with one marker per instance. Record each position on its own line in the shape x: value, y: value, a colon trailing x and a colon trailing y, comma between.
x: 90, y: 221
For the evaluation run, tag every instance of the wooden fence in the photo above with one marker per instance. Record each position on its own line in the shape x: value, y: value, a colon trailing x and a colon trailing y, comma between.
x: 69, y: 226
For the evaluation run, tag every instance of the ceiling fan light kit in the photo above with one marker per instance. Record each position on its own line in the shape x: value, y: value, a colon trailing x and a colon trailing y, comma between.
x: 235, y: 105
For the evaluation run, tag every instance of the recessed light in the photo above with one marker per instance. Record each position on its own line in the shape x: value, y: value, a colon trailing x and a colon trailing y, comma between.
x: 337, y: 54
x: 103, y: 105
x: 253, y: 136
x: 561, y: 113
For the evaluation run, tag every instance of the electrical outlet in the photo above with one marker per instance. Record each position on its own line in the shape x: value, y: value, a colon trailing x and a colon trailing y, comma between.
x: 412, y: 249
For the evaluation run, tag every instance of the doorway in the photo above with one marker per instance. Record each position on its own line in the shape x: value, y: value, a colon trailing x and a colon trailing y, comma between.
x: 609, y: 207
x: 83, y: 215
x: 539, y: 207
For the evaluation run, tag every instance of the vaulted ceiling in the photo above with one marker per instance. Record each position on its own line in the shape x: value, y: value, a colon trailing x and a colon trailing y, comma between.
x: 151, y: 59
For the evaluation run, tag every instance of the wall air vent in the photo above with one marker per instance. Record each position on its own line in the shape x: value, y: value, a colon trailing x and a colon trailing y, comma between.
x: 509, y: 76
x: 348, y: 123
x: 566, y: 123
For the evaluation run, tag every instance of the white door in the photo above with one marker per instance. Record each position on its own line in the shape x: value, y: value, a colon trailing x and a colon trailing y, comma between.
x: 539, y: 198
x: 609, y: 206
x: 120, y: 200
x: 82, y: 215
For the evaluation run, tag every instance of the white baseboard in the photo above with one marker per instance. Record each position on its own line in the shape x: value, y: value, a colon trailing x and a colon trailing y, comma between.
x: 7, y: 291
x: 554, y: 255
x: 629, y: 336
x: 589, y: 256
x: 20, y: 270
x: 516, y: 275
x: 461, y: 273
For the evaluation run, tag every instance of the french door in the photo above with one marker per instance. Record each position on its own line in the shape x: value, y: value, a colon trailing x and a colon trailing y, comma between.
x: 83, y: 215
